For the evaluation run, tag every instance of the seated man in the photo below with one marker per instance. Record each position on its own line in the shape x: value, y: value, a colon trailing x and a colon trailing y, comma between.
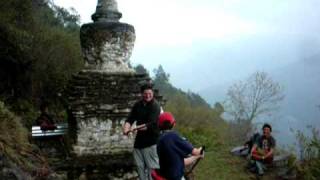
x: 173, y: 151
x: 263, y: 150
x: 45, y: 121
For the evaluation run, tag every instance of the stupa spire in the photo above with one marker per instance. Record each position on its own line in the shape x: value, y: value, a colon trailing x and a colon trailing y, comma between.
x: 107, y: 11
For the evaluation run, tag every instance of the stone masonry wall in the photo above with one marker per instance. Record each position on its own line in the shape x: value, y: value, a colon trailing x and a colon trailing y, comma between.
x: 107, y: 46
x: 100, y: 103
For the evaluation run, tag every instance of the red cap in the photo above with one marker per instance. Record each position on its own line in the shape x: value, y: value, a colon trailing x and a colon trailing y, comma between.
x: 166, y: 117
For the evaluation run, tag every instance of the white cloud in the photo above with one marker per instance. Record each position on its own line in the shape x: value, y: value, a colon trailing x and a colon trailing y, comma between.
x: 169, y: 22
x: 176, y: 32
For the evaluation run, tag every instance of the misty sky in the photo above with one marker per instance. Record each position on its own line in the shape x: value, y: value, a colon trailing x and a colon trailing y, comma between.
x: 205, y: 42
x: 206, y: 45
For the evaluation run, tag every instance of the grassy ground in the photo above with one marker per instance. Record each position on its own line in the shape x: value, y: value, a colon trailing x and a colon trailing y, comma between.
x: 219, y: 164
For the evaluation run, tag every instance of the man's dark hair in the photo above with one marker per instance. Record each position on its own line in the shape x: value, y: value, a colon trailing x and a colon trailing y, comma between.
x: 146, y: 86
x: 266, y: 125
x: 166, y: 125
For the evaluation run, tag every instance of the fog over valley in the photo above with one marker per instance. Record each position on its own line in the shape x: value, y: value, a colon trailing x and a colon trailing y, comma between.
x: 206, y: 46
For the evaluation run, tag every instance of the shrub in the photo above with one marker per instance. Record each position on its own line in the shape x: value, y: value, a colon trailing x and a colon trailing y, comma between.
x: 14, y: 142
x: 309, y: 168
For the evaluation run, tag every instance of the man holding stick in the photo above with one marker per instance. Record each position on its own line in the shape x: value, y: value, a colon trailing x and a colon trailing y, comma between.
x: 145, y: 113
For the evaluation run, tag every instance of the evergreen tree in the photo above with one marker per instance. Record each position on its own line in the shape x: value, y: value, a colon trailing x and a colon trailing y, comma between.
x: 39, y: 49
x: 140, y: 69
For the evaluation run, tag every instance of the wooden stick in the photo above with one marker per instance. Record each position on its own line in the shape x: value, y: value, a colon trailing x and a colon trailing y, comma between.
x: 198, y: 160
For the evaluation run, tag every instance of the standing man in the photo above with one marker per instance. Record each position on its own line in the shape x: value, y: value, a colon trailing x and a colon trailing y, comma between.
x: 145, y: 113
x: 263, y: 150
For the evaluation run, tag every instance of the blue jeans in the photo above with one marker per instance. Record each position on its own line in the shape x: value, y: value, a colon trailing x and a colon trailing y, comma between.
x: 260, y: 167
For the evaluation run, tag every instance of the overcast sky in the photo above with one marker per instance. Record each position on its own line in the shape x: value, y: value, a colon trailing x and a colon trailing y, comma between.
x: 206, y: 45
x: 203, y: 42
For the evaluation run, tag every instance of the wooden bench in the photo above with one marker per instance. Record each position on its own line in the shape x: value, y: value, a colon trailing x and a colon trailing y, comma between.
x: 37, y: 133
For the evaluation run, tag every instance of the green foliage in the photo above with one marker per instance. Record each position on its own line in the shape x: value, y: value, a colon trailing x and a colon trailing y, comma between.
x: 25, y: 109
x: 196, y: 120
x: 140, y: 69
x: 70, y: 20
x: 15, y: 17
x: 219, y: 164
x: 309, y: 168
x: 14, y: 143
x: 161, y: 76
x: 202, y: 125
x: 39, y: 49
x: 198, y: 136
x: 171, y: 93
x: 11, y: 129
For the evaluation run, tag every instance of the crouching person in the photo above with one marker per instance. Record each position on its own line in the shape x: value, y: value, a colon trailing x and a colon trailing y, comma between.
x: 263, y: 150
x: 173, y: 151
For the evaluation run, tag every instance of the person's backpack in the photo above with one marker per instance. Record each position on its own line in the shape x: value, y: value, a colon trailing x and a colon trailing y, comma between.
x: 252, y: 140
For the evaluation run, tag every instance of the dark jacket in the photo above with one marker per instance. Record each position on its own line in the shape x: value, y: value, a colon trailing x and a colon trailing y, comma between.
x: 145, y: 113
x: 172, y: 150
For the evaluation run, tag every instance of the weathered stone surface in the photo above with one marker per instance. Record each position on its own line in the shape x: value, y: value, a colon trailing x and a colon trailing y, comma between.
x: 104, y: 167
x: 101, y: 102
x: 107, y: 46
x: 101, y: 137
x: 107, y: 11
x: 101, y: 96
x: 106, y: 43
